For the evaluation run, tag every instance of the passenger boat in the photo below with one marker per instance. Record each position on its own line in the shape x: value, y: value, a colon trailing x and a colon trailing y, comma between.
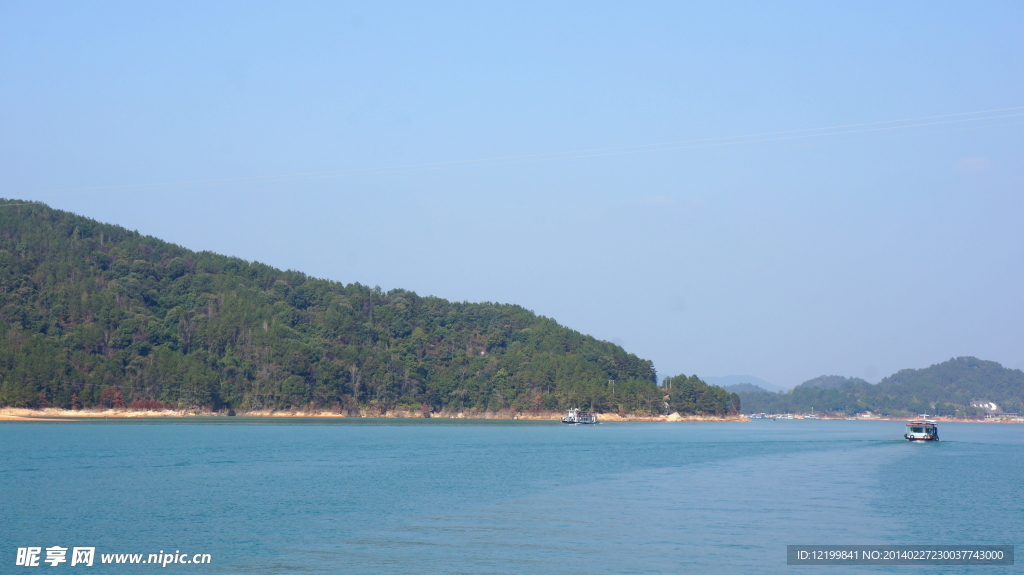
x: 576, y: 416
x: 922, y: 429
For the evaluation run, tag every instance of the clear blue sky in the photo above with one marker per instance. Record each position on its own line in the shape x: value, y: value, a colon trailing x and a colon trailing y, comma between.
x: 429, y: 146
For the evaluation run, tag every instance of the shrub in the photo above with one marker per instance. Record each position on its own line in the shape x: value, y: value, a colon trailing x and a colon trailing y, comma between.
x: 147, y: 405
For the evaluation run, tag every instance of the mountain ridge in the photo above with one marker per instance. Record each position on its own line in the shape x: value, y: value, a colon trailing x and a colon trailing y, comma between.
x: 946, y: 388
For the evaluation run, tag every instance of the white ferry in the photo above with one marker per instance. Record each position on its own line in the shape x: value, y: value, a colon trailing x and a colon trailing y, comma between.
x: 576, y: 416
x: 922, y: 429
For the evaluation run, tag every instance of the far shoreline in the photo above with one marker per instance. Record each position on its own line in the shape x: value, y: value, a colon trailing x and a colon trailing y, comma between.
x: 51, y: 414
x: 56, y: 414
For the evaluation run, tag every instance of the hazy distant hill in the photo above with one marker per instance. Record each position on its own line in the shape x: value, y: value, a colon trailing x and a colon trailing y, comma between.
x: 830, y: 381
x: 745, y: 388
x: 945, y: 389
x: 725, y: 380
x: 92, y: 313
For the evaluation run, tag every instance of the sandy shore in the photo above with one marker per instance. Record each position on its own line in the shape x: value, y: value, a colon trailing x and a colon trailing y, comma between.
x: 24, y: 418
x: 54, y: 414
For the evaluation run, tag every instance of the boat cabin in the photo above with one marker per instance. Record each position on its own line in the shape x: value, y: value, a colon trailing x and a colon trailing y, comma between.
x: 576, y: 416
x: 922, y: 429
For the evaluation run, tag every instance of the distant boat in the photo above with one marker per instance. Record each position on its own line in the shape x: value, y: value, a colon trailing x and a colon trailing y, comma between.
x: 759, y: 416
x: 575, y: 416
x: 922, y: 429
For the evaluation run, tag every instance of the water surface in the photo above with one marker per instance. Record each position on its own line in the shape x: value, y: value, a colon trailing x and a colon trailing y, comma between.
x: 458, y: 496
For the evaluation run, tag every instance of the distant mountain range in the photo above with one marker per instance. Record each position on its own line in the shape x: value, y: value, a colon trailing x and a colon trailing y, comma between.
x: 830, y: 381
x: 745, y: 388
x: 946, y: 388
x: 93, y: 314
x: 731, y: 380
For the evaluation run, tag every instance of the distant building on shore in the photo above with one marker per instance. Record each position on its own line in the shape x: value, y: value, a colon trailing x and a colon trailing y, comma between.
x: 989, y: 406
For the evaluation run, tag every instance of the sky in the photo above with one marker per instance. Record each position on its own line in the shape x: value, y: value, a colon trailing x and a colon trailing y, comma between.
x: 783, y: 190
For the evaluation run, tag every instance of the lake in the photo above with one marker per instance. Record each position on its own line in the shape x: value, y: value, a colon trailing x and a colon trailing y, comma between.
x: 483, y: 496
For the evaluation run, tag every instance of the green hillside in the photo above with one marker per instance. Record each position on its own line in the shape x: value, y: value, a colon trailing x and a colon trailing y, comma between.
x: 944, y: 389
x: 94, y: 314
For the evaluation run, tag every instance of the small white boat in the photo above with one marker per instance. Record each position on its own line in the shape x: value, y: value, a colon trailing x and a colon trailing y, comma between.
x: 922, y: 429
x: 577, y: 416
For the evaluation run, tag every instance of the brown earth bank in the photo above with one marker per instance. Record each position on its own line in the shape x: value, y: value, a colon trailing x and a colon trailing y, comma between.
x: 55, y: 414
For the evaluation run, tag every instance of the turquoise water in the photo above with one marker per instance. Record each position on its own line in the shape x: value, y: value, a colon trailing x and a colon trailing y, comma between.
x: 443, y: 496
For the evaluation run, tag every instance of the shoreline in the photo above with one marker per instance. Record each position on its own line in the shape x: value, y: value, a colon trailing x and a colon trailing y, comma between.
x: 56, y: 414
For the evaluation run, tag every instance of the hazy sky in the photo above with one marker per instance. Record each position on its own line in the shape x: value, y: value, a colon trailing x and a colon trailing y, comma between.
x: 579, y: 159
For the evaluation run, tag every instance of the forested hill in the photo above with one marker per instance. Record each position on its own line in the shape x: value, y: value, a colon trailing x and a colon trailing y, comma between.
x: 946, y: 388
x: 94, y: 314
